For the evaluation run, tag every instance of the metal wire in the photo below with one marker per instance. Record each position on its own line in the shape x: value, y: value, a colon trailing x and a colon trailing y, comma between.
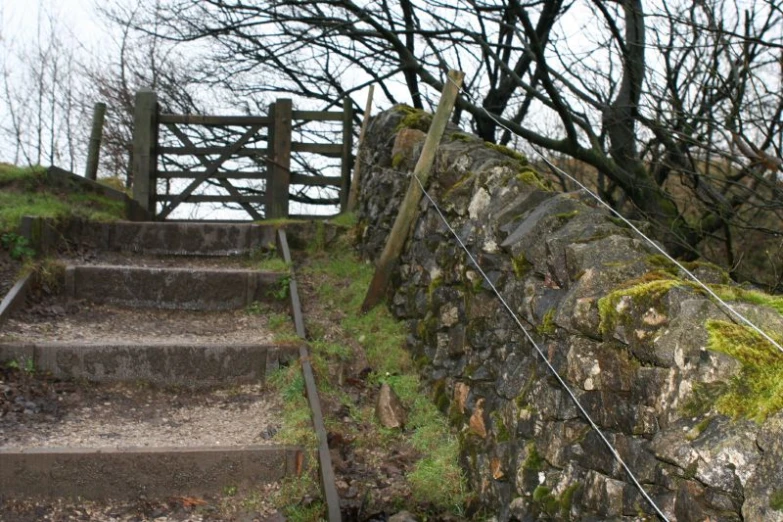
x: 540, y: 352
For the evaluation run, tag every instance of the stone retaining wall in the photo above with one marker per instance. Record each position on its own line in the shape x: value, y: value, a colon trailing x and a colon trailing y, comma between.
x: 658, y: 366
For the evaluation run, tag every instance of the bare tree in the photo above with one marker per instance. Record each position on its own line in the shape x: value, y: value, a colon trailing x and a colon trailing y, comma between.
x: 659, y: 100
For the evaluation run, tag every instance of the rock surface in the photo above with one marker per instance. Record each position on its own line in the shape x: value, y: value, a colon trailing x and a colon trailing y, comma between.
x: 627, y: 332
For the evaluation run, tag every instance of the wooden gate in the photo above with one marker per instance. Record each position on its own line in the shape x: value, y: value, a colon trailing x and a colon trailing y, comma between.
x: 269, y: 202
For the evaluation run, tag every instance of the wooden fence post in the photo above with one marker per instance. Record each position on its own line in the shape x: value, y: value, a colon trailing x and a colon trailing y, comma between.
x: 279, y: 169
x: 347, y: 157
x: 410, y: 204
x: 145, y: 142
x: 353, y: 195
x: 94, y: 147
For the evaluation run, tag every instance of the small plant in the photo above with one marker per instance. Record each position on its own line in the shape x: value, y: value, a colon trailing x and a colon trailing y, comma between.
x: 25, y: 364
x: 230, y: 491
x: 18, y: 246
x: 281, y: 291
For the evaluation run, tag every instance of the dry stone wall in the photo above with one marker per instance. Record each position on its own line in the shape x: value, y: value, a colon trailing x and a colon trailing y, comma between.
x: 659, y: 367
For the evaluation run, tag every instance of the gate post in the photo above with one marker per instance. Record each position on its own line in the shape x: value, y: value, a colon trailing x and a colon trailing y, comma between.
x: 145, y: 141
x: 279, y: 170
x: 347, y: 155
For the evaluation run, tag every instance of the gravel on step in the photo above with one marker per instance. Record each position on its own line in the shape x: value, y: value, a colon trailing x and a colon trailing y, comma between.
x: 128, y: 415
x: 56, y: 320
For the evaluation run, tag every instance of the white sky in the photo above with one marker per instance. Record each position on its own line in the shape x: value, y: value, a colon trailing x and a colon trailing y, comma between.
x: 75, y: 18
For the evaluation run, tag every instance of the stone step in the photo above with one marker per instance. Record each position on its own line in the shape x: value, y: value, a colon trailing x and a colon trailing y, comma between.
x: 125, y: 440
x: 153, y: 473
x: 173, y: 288
x: 180, y: 363
x: 185, y: 239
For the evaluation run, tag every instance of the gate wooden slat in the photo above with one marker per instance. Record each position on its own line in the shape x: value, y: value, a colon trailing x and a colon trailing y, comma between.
x: 226, y: 184
x: 206, y: 198
x: 214, y: 121
x: 228, y: 152
x: 228, y: 174
x: 209, y: 151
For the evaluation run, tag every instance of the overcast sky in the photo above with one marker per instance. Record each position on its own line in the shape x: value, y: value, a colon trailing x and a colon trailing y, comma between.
x: 76, y: 18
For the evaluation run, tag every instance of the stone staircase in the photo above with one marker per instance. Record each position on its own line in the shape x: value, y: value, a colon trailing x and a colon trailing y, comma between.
x: 166, y: 369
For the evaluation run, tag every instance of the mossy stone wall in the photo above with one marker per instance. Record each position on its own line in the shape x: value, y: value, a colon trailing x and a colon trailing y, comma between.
x: 629, y: 336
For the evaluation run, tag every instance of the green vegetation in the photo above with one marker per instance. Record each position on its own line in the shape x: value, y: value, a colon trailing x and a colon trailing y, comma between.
x: 776, y: 500
x: 397, y: 160
x: 345, y: 220
x: 507, y: 152
x: 436, y: 478
x: 547, y: 326
x: 24, y: 192
x: 521, y: 265
x: 651, y: 288
x: 534, y: 461
x: 461, y: 136
x: 531, y: 177
x: 757, y: 391
x: 413, y: 119
x: 551, y: 505
x: 18, y: 246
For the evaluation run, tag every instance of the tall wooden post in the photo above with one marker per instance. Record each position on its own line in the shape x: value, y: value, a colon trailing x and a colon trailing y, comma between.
x: 410, y: 204
x: 145, y: 142
x: 279, y: 178
x: 94, y: 147
x: 347, y: 157
x: 353, y: 195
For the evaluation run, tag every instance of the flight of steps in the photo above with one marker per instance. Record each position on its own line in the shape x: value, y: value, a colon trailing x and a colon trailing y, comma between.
x: 165, y: 368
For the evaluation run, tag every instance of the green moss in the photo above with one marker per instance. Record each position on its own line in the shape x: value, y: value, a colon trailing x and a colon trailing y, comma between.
x: 567, y: 499
x: 531, y: 177
x: 776, y: 500
x: 434, y: 285
x: 547, y: 326
x: 553, y: 506
x: 534, y: 461
x: 345, y: 220
x: 397, y: 160
x: 521, y: 265
x: 647, y: 291
x: 566, y: 216
x: 734, y: 293
x: 661, y: 262
x: 414, y: 119
x: 461, y: 136
x: 690, y: 470
x: 757, y: 392
x: 502, y: 433
x: 507, y: 152
x: 697, y: 430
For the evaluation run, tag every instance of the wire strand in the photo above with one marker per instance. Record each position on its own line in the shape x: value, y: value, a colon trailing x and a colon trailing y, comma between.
x: 541, y: 354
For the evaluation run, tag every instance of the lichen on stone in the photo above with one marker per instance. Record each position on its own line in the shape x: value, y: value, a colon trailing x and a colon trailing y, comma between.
x: 757, y: 392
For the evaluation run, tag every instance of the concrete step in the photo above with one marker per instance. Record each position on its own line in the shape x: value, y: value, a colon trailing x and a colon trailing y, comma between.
x: 126, y: 440
x: 173, y: 288
x: 190, y: 364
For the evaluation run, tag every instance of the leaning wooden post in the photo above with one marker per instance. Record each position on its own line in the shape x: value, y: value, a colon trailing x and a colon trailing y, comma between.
x: 279, y: 178
x: 410, y: 204
x: 347, y: 156
x: 94, y: 147
x: 145, y: 141
x: 353, y: 195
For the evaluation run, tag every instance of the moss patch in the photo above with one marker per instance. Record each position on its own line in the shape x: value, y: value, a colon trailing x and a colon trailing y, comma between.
x: 647, y: 292
x: 532, y: 178
x: 757, y: 392
x: 413, y: 119
x: 776, y: 500
x: 547, y: 326
x: 461, y: 136
x: 521, y: 265
x: 507, y: 152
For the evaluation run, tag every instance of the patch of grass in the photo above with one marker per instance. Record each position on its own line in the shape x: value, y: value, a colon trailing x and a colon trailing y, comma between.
x: 531, y: 177
x: 346, y: 220
x: 25, y: 193
x: 436, y: 478
x: 11, y: 174
x: 757, y: 392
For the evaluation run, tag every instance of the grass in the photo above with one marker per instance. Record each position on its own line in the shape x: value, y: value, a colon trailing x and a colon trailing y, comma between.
x: 436, y: 478
x: 24, y: 192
